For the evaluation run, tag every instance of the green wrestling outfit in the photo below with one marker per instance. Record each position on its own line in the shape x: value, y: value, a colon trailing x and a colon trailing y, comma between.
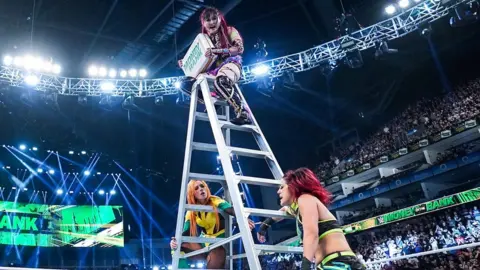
x: 345, y: 260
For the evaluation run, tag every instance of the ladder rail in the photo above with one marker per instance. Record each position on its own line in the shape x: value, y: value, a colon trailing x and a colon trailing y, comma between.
x: 185, y: 178
x: 262, y: 142
x: 229, y: 173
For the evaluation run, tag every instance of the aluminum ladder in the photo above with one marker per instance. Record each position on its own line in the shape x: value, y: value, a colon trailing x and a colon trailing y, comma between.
x: 230, y: 181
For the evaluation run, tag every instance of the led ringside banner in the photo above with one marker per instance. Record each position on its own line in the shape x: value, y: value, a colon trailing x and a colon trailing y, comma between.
x: 41, y: 225
x: 416, y: 210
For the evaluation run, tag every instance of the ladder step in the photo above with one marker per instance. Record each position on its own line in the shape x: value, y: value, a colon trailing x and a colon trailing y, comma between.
x: 204, y: 147
x: 188, y: 239
x: 267, y: 213
x: 207, y: 177
x: 245, y: 128
x: 202, y: 208
x: 278, y: 249
x: 249, y: 152
x: 259, y: 181
x: 263, y: 249
x: 221, y: 242
x: 204, y: 116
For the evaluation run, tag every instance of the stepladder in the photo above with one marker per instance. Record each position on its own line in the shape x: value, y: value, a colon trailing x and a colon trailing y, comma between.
x: 230, y: 180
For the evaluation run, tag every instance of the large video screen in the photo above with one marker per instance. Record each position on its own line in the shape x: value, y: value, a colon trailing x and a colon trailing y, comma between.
x: 41, y: 225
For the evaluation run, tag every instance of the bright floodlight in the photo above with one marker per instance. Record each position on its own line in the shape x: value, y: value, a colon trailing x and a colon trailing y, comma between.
x: 40, y: 170
x: 93, y: 71
x: 18, y: 61
x: 142, y: 73
x: 31, y: 80
x: 47, y: 66
x: 200, y: 265
x: 101, y: 192
x: 417, y: 1
x: 132, y: 72
x: 155, y: 268
x: 51, y: 171
x: 34, y: 148
x: 59, y: 191
x: 102, y: 71
x: 23, y: 147
x: 113, y: 192
x: 390, y: 9
x: 83, y: 152
x: 107, y: 87
x: 260, y: 70
x: 70, y: 152
x: 86, y: 173
x: 56, y: 69
x: 112, y: 73
x: 7, y: 60
x: 177, y: 85
x: 29, y: 62
x: 403, y: 3
x: 169, y: 267
x: 123, y: 73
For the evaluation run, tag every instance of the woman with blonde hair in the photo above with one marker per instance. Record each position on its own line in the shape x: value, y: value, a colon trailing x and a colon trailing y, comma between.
x: 205, y: 224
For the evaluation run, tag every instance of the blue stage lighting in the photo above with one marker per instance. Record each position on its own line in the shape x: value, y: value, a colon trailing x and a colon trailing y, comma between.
x: 101, y: 192
x: 51, y: 171
x: 86, y: 173
x: 113, y: 192
x: 34, y: 148
x: 59, y: 191
x: 23, y: 147
x: 40, y: 170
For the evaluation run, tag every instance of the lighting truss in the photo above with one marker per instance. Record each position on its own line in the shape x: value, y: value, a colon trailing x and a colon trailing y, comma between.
x: 392, y: 28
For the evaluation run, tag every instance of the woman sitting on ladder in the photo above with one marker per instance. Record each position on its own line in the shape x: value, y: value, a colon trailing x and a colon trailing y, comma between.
x: 324, y: 243
x: 228, y: 68
x: 205, y: 224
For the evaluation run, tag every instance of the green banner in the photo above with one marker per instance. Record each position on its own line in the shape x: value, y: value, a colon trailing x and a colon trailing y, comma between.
x: 416, y: 210
x: 28, y: 224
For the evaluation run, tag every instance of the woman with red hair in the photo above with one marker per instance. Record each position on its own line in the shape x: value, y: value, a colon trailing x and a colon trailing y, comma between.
x: 205, y: 224
x: 228, y: 68
x: 324, y: 243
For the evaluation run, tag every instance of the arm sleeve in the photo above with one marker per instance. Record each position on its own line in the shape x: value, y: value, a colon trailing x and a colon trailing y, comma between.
x: 236, y: 40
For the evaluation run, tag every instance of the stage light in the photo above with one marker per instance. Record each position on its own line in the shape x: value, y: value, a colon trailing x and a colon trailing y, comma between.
x: 31, y: 80
x: 417, y: 1
x: 47, y: 66
x: 51, y: 171
x: 83, y: 152
x: 86, y: 173
x: 71, y: 152
x: 93, y: 71
x: 200, y: 265
x: 112, y: 73
x: 40, y: 170
x: 7, y: 60
x: 142, y: 73
x: 113, y: 192
x: 34, y: 148
x: 22, y: 147
x: 18, y: 61
x: 155, y: 267
x: 403, y: 3
x: 102, y: 72
x: 123, y: 73
x: 107, y: 86
x: 169, y: 267
x: 260, y: 70
x: 25, y: 189
x: 133, y: 73
x: 177, y: 85
x: 101, y: 192
x: 28, y: 62
x: 390, y: 9
x: 56, y: 69
x: 59, y: 191
x: 98, y: 173
x: 192, y: 265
